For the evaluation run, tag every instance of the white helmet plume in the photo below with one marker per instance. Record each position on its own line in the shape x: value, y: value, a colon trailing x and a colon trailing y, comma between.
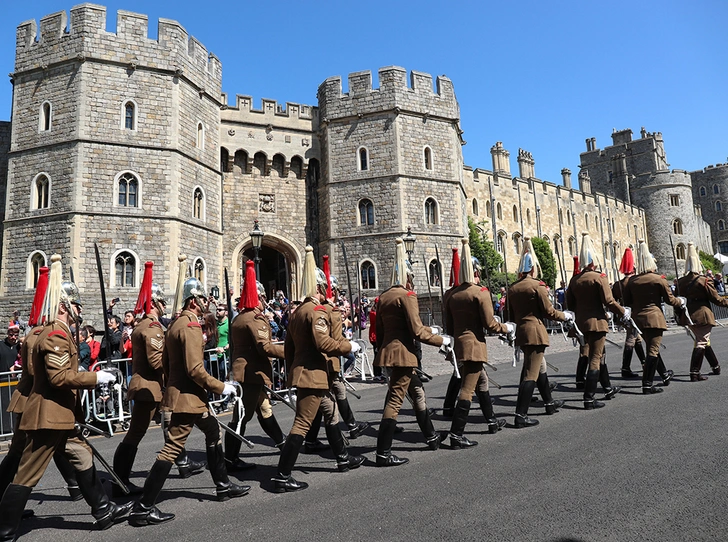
x: 467, y: 274
x: 588, y: 255
x: 529, y: 260
x: 692, y: 261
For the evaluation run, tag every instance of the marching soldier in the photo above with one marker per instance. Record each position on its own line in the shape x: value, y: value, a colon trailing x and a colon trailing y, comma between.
x: 528, y: 304
x: 51, y: 412
x: 587, y: 295
x: 700, y: 292
x: 186, y: 397
x: 252, y: 368
x: 454, y: 384
x: 468, y: 311
x: 145, y: 388
x: 307, y: 347
x: 398, y: 326
x: 632, y: 341
x: 645, y: 293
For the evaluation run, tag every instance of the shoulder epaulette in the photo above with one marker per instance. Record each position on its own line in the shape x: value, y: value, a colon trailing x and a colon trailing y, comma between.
x: 484, y: 289
x: 411, y: 293
x: 194, y: 324
x: 602, y: 274
x: 58, y: 332
x: 663, y: 277
x: 38, y: 331
x: 541, y: 283
x: 319, y: 308
x: 155, y: 324
x: 261, y: 316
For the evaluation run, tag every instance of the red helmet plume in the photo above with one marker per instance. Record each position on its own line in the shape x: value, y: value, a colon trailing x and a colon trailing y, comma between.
x: 249, y: 296
x: 455, y: 269
x: 40, y: 292
x: 327, y: 274
x: 576, y: 265
x: 627, y: 264
x: 144, y: 301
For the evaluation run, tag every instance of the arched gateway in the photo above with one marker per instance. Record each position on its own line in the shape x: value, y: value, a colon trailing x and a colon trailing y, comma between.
x: 280, y: 265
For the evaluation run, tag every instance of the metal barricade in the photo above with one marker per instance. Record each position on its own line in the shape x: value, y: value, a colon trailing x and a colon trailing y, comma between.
x: 216, y: 364
x: 107, y: 403
x: 8, y: 382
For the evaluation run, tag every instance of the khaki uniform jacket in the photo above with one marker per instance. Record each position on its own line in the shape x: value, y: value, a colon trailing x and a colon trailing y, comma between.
x: 187, y: 381
x: 54, y: 401
x: 147, y: 347
x: 468, y: 310
x: 644, y: 294
x: 618, y: 289
x: 25, y: 386
x: 252, y: 348
x: 337, y: 331
x: 398, y: 326
x: 700, y: 291
x: 309, y: 344
x: 587, y: 296
x: 528, y: 304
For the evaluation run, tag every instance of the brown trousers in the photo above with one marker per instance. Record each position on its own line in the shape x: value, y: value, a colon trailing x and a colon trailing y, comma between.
x: 702, y: 335
x: 653, y: 338
x: 595, y: 342
x: 473, y: 376
x: 533, y: 361
x: 403, y: 380
x: 338, y: 388
x: 39, y: 449
x: 308, y: 401
x: 142, y: 414
x: 255, y: 401
x: 180, y: 427
x: 630, y: 338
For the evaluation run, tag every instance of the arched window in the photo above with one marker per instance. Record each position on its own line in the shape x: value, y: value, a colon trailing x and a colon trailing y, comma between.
x: 240, y: 160
x: 572, y: 246
x: 517, y: 243
x: 259, y: 163
x: 125, y: 270
x: 500, y: 244
x: 428, y: 158
x: 431, y: 211
x: 677, y: 227
x: 200, y: 141
x: 716, y: 189
x: 721, y: 225
x: 561, y: 217
x: 199, y: 270
x: 568, y: 218
x: 279, y: 163
x: 528, y: 216
x: 225, y: 160
x: 363, y: 159
x: 680, y: 251
x: 586, y: 220
x: 499, y: 211
x: 433, y: 272
x: 368, y: 276
x: 198, y: 204
x: 366, y: 213
x: 718, y: 206
x: 40, y: 192
x: 129, y: 116
x: 515, y: 214
x: 487, y: 209
x: 297, y: 167
x: 46, y: 114
x: 703, y: 192
x: 35, y: 262
x: 128, y: 190
x: 475, y: 207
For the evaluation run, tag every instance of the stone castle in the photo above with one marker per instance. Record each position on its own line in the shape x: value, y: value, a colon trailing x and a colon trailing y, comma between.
x: 129, y: 142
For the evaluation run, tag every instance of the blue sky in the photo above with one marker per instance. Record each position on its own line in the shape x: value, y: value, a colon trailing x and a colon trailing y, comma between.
x: 542, y: 76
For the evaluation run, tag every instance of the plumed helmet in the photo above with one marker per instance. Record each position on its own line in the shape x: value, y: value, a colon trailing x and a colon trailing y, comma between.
x: 588, y: 255
x: 529, y: 260
x: 477, y: 268
x: 645, y: 261
x: 309, y: 282
x: 70, y: 293
x: 402, y: 269
x: 321, y: 281
x: 692, y: 261
x: 192, y: 288
x: 626, y: 266
x: 158, y: 294
x: 455, y: 279
x: 334, y: 283
x: 467, y: 274
x: 261, y: 289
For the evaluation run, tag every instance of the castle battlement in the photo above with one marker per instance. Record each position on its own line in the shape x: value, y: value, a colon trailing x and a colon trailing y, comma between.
x: 393, y: 92
x: 56, y: 41
x: 290, y: 114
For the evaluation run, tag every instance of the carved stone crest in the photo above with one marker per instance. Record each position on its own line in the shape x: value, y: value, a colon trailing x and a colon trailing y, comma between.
x: 267, y: 203
x: 231, y: 132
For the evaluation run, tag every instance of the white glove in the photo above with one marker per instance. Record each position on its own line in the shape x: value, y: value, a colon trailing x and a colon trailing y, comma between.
x: 497, y: 319
x: 229, y: 389
x: 569, y: 316
x: 683, y: 302
x: 355, y: 347
x: 105, y: 377
x: 435, y: 330
x: 627, y: 314
x: 511, y: 328
x: 446, y: 340
x: 609, y: 316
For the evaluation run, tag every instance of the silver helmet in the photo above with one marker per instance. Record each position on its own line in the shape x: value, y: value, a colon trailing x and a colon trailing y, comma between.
x: 70, y: 293
x: 261, y: 289
x: 193, y: 288
x: 321, y: 281
x: 334, y: 283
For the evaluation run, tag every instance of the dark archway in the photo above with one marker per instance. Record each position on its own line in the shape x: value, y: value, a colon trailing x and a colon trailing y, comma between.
x: 274, y: 270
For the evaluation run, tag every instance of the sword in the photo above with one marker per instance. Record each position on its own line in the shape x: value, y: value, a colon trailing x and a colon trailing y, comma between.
x: 229, y: 430
x: 351, y: 292
x: 577, y: 332
x: 554, y: 368
x: 429, y: 290
x: 442, y: 289
x: 98, y: 455
x: 420, y: 372
x: 449, y: 356
x: 352, y: 389
x: 280, y: 397
x: 230, y: 313
x: 102, y: 286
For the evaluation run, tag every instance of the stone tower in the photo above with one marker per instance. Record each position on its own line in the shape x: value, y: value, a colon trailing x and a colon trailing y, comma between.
x: 115, y: 140
x: 391, y: 160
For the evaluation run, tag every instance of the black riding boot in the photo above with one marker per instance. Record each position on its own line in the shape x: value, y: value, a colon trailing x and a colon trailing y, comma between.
x: 344, y: 461
x: 451, y: 395
x: 432, y: 438
x: 355, y: 428
x: 525, y: 392
x: 232, y: 449
x: 627, y: 363
x: 13, y: 503
x: 69, y: 475
x: 272, y: 429
x: 459, y: 420
x: 385, y: 458
x: 665, y: 373
x: 226, y: 490
x: 103, y: 510
x: 581, y: 366
x: 144, y: 511
x: 609, y: 390
x: 284, y: 482
x: 313, y: 445
x: 712, y: 359
x: 486, y: 407
x: 186, y: 467
x: 640, y: 351
x: 648, y: 376
x: 123, y: 461
x: 590, y: 389
x: 696, y: 361
x: 8, y: 470
x: 544, y: 388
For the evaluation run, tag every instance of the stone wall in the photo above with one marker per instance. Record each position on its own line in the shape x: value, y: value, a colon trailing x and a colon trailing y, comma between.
x: 710, y: 186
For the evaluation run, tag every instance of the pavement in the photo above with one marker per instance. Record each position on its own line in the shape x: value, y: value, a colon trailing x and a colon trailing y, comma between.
x: 643, y: 468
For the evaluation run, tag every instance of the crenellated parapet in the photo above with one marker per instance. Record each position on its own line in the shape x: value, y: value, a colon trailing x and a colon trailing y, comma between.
x: 393, y: 93
x: 289, y: 115
x: 56, y: 40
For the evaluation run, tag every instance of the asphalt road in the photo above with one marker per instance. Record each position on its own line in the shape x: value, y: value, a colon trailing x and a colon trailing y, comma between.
x: 643, y: 468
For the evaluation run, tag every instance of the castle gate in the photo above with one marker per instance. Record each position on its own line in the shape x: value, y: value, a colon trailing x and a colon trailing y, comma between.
x: 280, y: 264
